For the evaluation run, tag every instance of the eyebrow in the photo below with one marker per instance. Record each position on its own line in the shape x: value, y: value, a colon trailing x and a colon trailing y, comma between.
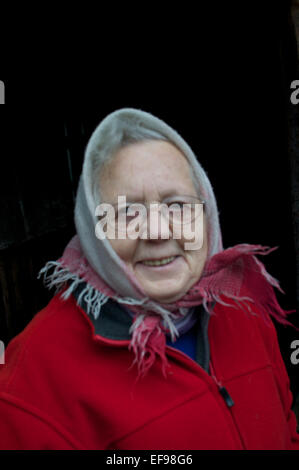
x: 165, y: 195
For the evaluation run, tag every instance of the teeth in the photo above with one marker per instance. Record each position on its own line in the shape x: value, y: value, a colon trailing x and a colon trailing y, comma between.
x: 159, y: 262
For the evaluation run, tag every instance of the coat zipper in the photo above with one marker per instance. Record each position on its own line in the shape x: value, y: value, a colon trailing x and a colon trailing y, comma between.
x: 222, y: 390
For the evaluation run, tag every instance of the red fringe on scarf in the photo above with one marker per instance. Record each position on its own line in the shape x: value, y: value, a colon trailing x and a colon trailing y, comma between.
x: 234, y: 274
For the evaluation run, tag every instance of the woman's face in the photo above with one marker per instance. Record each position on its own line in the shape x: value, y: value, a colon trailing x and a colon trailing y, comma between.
x: 149, y: 172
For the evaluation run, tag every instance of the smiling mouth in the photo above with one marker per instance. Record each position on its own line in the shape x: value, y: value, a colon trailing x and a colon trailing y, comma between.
x: 158, y: 262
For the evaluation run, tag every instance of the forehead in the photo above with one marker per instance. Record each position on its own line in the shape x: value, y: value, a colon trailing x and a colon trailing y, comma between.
x: 149, y: 169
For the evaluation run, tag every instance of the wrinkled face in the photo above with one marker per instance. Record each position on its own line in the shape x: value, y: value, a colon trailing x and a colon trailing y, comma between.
x: 149, y: 172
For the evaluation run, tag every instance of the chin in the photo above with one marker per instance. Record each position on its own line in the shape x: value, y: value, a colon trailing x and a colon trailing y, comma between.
x: 167, y: 300
x: 165, y: 296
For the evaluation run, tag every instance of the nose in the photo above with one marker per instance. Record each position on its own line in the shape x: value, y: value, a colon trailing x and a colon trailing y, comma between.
x: 157, y: 226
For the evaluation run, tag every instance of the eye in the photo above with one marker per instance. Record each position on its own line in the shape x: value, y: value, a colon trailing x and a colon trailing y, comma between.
x: 176, y: 205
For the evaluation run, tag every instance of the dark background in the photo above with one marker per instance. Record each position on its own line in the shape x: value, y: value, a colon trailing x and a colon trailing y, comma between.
x: 224, y: 88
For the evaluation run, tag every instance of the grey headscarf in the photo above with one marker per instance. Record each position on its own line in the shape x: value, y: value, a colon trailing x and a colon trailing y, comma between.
x: 100, y: 253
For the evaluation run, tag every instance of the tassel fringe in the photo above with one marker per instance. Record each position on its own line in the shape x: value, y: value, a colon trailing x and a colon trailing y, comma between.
x: 61, y: 276
x: 148, y: 343
x: 222, y: 282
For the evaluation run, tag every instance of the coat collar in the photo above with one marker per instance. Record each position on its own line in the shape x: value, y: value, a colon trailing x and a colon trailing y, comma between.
x: 114, y: 323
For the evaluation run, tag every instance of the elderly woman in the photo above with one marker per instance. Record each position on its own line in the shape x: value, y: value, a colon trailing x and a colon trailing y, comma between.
x: 156, y: 337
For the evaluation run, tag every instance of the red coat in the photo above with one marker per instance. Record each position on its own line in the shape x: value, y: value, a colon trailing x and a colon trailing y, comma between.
x: 63, y: 387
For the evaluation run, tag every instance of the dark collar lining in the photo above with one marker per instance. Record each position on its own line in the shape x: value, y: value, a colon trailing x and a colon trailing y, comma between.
x: 114, y: 323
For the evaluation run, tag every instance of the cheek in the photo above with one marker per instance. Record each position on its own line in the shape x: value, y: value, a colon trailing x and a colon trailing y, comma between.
x: 125, y: 249
x: 195, y: 258
x: 194, y: 237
